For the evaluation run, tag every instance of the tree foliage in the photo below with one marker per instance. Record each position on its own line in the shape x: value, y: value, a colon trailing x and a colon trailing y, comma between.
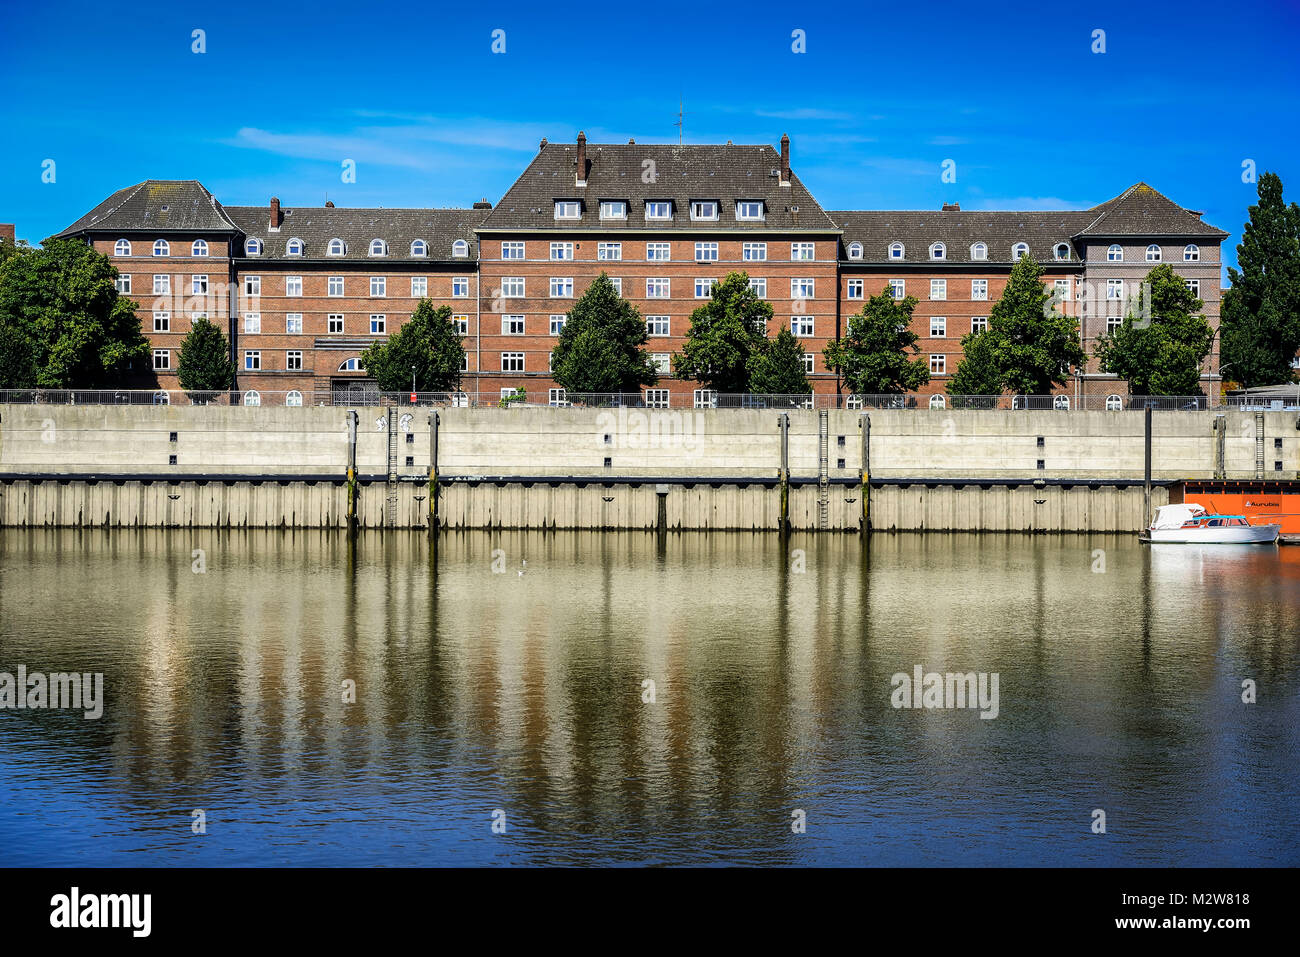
x: 776, y: 367
x: 978, y: 372
x: 1261, y: 310
x: 205, y: 365
x: 873, y: 356
x: 427, y: 345
x: 1034, y: 346
x: 725, y: 333
x: 600, y: 349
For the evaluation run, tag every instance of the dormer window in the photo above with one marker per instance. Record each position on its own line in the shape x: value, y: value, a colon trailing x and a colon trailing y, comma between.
x: 979, y: 251
x: 658, y: 209
x: 336, y: 247
x: 613, y: 209
x: 1153, y: 253
x: 895, y: 250
x: 419, y: 248
x: 160, y: 248
x: 1018, y: 250
x: 704, y: 209
x: 252, y: 247
x: 749, y: 210
x: 378, y: 247
x: 121, y: 248
x: 1062, y: 251
x: 1115, y: 253
x: 293, y: 247
x: 460, y: 249
x: 199, y: 248
x: 568, y: 209
x: 855, y: 250
x: 938, y: 251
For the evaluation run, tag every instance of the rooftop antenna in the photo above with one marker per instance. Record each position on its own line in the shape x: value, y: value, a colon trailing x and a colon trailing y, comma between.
x: 681, y: 119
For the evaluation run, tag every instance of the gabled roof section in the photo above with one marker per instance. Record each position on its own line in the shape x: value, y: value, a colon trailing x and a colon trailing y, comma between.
x: 637, y: 173
x: 1143, y: 211
x: 156, y: 205
x: 357, y: 227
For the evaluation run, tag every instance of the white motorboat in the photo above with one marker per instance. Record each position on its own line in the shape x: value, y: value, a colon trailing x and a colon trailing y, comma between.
x: 1191, y: 524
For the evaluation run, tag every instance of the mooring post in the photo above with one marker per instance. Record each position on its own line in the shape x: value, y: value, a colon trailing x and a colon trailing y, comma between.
x: 433, y: 473
x: 352, y: 470
x: 1146, y: 484
x: 864, y: 422
x: 783, y: 420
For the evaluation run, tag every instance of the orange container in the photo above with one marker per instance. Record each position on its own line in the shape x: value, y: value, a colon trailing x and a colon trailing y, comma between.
x: 1260, y: 502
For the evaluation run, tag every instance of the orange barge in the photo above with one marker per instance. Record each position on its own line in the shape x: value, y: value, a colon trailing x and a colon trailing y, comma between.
x: 1260, y: 501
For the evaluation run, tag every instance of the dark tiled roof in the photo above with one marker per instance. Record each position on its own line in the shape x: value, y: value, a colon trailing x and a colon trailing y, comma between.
x: 682, y: 174
x: 317, y: 225
x: 1143, y: 211
x: 156, y: 205
x: 958, y: 230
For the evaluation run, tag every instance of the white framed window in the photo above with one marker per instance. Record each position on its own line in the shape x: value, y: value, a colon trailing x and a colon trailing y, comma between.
x: 1115, y: 253
x: 557, y: 397
x: 617, y: 283
x: 937, y: 402
x: 199, y: 247
x: 123, y: 248
x: 658, y: 288
x: 512, y: 250
x: 335, y: 287
x: 512, y: 362
x: 512, y: 287
x: 378, y: 247
x: 855, y: 250
x: 162, y: 359
x: 460, y: 287
x: 461, y: 325
x: 252, y: 323
x: 293, y: 285
x: 512, y: 325
x: 1061, y: 402
x: 378, y: 287
x: 293, y: 360
x: 1193, y: 286
x: 161, y: 248
x: 658, y: 209
x: 808, y: 363
x: 122, y: 284
x: 350, y: 365
x: 561, y: 251
x: 293, y: 399
x: 252, y: 285
x: 979, y: 324
x: 1114, y: 289
x: 252, y: 361
x: 293, y: 323
x: 1061, y: 251
x: 704, y: 287
x: 706, y: 252
x: 568, y: 209
x: 420, y: 249
x: 252, y: 397
x: 1114, y: 403
x: 162, y: 322
x: 199, y: 285
x: 801, y: 326
x: 1153, y: 253
x: 704, y: 209
x: 162, y: 284
x: 803, y: 252
x: 335, y: 322
x: 803, y: 289
x: 938, y: 251
x: 656, y: 398
x: 657, y: 325
x: 252, y: 247
x: 378, y: 324
x: 557, y: 323
x: 758, y: 285
x: 750, y: 210
x: 1018, y: 250
x: 938, y: 365
x: 613, y: 209
x: 1191, y: 253
x: 663, y: 362
x: 979, y: 251
x: 419, y: 287
x: 898, y: 287
x: 753, y: 252
x: 561, y: 287
x: 938, y: 289
x: 705, y: 398
x: 1061, y: 290
x: 938, y: 327
x: 460, y: 249
x: 609, y: 252
x: 658, y: 252
x: 293, y: 247
x: 1113, y: 323
x: 896, y: 250
x: 855, y: 289
x: 979, y: 289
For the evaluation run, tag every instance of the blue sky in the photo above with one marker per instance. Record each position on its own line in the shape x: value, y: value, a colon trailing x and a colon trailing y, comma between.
x: 1012, y: 93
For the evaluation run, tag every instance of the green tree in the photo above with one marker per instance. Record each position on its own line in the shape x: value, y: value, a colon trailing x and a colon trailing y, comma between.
x: 205, y: 366
x: 600, y: 349
x: 873, y: 354
x: 776, y: 367
x: 1160, y: 345
x: 61, y: 314
x: 427, y: 345
x: 1034, y: 346
x: 724, y: 334
x: 978, y: 372
x: 1261, y: 309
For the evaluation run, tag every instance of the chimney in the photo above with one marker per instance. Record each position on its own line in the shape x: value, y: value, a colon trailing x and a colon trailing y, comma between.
x: 785, y: 160
x: 276, y: 218
x: 582, y: 158
x: 329, y: 204
x: 952, y: 207
x: 7, y: 233
x: 542, y: 144
x: 483, y: 204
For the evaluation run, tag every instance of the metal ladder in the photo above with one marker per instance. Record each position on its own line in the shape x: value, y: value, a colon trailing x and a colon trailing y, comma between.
x: 823, y: 471
x: 390, y: 505
x: 1259, y: 445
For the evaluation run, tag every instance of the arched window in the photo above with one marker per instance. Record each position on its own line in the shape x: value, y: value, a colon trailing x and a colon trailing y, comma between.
x: 855, y: 250
x: 160, y: 248
x: 1114, y: 403
x: 294, y: 399
x: 938, y: 251
x: 350, y: 365
x: 336, y: 247
x: 1115, y: 253
x: 419, y: 248
x: 252, y: 247
x: 252, y: 397
x: 293, y: 247
x: 895, y: 250
x: 1018, y: 250
x: 460, y: 249
x: 162, y: 398
x: 378, y: 247
x: 1061, y: 402
x: 937, y: 402
x: 121, y: 248
x: 1191, y: 253
x: 1062, y: 251
x: 979, y: 251
x: 199, y: 248
x: 1153, y: 253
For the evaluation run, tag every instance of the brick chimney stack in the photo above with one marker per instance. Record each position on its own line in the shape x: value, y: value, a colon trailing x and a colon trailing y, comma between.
x: 952, y: 207
x: 276, y: 218
x: 785, y: 160
x: 582, y: 158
